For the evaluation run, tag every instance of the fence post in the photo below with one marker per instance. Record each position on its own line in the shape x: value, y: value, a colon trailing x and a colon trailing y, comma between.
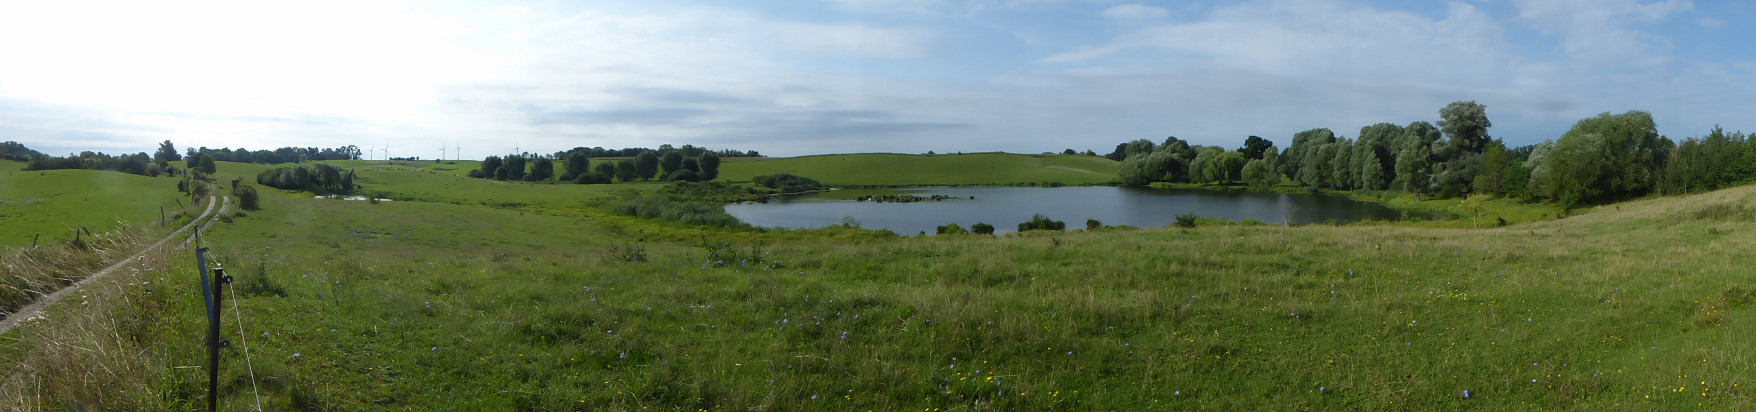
x: 211, y: 297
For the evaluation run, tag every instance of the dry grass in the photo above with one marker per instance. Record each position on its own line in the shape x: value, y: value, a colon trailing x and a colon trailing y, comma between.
x: 87, y: 353
x: 30, y: 273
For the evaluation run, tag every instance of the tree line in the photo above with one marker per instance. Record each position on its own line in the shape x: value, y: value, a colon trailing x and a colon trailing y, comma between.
x: 277, y: 156
x: 1604, y: 157
x: 672, y: 166
x: 317, y: 178
x: 160, y: 161
x: 138, y: 163
x: 686, y: 151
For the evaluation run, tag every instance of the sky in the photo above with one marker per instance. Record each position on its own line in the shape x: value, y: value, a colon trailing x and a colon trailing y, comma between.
x: 800, y: 77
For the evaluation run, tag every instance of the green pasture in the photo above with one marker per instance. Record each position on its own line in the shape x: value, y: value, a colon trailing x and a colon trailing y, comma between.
x: 457, y: 303
x: 53, y: 203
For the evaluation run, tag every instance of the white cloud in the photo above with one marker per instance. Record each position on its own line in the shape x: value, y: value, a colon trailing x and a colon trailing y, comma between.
x: 1134, y: 12
x: 1598, y: 30
x: 234, y: 58
x: 892, y: 6
x: 1317, y: 39
x: 1711, y: 23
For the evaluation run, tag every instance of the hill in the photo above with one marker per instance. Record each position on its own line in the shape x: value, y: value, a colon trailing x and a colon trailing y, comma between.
x: 438, y: 305
x: 883, y: 169
x: 54, y: 202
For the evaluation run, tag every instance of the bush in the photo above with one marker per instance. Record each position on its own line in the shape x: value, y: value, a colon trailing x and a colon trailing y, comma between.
x: 952, y: 229
x: 982, y: 229
x: 788, y: 183
x: 1093, y: 224
x: 683, y: 176
x: 478, y: 174
x: 247, y: 197
x: 1040, y: 222
x: 592, y: 179
x: 1186, y: 220
x: 687, y: 212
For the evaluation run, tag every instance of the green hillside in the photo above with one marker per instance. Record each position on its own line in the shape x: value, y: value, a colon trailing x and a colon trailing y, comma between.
x: 454, y: 305
x: 946, y: 169
x: 54, y: 202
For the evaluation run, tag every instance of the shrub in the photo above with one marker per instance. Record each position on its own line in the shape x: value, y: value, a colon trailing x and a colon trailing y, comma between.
x: 687, y: 212
x: 683, y: 176
x: 247, y: 197
x: 593, y: 178
x: 1186, y: 220
x: 1040, y: 222
x: 982, y: 229
x: 952, y: 229
x: 1093, y: 224
x: 788, y: 183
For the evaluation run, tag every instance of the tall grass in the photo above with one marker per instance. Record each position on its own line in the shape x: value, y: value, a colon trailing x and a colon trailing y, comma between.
x: 105, y: 348
x: 30, y: 273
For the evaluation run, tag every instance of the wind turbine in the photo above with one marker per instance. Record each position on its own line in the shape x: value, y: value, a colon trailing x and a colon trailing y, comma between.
x: 441, y: 152
x: 458, y: 152
x: 386, y: 151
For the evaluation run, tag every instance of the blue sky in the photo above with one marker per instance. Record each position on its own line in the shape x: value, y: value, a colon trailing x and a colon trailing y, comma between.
x: 806, y: 77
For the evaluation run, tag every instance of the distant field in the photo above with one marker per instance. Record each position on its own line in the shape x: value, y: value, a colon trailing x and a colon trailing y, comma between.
x: 53, y: 202
x: 446, y: 183
x: 945, y: 169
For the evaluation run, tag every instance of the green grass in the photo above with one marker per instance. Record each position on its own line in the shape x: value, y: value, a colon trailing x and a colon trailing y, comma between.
x: 55, y: 202
x: 879, y: 169
x: 433, y: 305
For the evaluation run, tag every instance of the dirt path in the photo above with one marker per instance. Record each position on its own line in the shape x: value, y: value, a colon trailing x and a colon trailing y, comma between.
x: 205, y: 220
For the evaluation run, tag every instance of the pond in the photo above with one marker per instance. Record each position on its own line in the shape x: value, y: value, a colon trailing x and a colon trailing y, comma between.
x: 1006, y: 207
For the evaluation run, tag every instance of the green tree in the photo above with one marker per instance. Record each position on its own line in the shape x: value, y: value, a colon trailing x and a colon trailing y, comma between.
x: 1458, y: 160
x: 1342, y: 171
x: 671, y: 162
x: 1605, y: 155
x: 1255, y: 147
x: 646, y: 165
x: 206, y: 164
x: 1305, y: 145
x: 577, y: 163
x: 606, y: 168
x: 626, y: 170
x: 1318, y: 168
x: 166, y: 153
x: 1574, y: 168
x: 491, y: 167
x: 1412, y: 168
x: 1374, y: 156
x: 1260, y: 174
x: 1492, y: 177
x: 709, y: 166
x: 541, y: 169
x: 515, y: 167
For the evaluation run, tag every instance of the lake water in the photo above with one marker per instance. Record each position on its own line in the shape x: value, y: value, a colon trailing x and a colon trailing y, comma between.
x: 1006, y: 207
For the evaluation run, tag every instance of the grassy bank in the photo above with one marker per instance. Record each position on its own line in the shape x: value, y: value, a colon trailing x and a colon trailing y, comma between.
x: 883, y: 169
x: 435, y: 305
x: 1486, y: 212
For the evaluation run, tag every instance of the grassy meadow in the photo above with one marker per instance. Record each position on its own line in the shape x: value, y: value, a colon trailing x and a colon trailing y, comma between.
x: 494, y: 296
x: 886, y: 169
x: 54, y: 202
